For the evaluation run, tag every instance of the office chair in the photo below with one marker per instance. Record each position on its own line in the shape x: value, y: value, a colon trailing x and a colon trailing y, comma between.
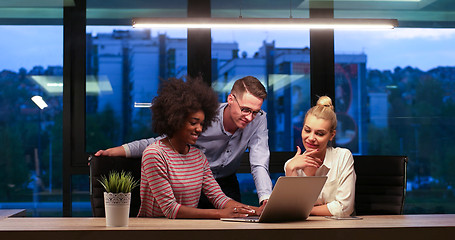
x: 102, y: 166
x: 381, y: 184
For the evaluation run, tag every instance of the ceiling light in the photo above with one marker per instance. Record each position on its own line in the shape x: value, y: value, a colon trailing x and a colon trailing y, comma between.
x: 142, y: 105
x: 38, y: 100
x: 265, y: 23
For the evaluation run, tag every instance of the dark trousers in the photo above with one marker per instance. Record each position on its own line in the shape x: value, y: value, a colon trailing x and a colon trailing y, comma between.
x: 229, y: 185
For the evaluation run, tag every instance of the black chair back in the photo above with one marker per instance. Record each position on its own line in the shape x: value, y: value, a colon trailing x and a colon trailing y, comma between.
x: 102, y: 165
x: 381, y: 184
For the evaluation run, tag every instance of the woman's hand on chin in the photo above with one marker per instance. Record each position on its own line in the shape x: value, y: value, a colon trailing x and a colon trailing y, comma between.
x: 303, y: 161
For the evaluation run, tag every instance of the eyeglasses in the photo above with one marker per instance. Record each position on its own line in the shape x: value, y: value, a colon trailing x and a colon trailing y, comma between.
x: 247, y: 111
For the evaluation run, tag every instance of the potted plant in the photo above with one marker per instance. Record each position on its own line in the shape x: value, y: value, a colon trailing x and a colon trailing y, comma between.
x: 117, y: 198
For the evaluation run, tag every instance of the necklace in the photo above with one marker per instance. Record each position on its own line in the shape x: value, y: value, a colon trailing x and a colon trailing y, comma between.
x: 169, y: 140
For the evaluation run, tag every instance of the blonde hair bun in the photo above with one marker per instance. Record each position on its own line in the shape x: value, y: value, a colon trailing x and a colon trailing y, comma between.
x: 326, y: 102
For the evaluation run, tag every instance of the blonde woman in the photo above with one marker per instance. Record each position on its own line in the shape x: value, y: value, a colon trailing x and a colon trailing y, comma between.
x: 320, y: 159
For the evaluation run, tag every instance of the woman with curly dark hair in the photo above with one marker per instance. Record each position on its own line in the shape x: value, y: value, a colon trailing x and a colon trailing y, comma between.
x: 173, y: 171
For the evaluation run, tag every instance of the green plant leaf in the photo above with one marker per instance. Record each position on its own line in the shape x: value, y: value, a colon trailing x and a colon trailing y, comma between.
x: 116, y: 182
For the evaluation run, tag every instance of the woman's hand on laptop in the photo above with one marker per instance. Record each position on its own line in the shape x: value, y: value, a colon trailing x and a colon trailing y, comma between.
x: 236, y: 209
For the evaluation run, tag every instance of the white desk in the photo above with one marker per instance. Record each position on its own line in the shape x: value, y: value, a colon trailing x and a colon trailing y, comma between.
x: 401, y: 227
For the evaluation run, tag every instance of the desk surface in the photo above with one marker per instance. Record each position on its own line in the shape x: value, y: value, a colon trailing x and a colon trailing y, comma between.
x: 371, y: 227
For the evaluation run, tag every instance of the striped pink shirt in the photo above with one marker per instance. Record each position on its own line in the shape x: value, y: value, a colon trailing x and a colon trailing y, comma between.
x: 169, y: 180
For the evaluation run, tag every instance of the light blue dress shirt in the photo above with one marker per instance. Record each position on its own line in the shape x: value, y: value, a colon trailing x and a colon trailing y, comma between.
x: 224, y: 150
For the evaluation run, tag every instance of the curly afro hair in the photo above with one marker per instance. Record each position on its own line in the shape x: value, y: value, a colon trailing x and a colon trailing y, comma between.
x: 177, y: 99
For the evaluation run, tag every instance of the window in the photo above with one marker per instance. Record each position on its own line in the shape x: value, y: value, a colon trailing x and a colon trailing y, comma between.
x: 31, y: 64
x: 402, y: 103
x: 124, y: 67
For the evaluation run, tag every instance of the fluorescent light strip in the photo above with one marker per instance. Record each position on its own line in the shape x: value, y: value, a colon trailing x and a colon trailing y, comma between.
x: 265, y: 23
x: 142, y: 105
x: 54, y: 84
x: 38, y: 100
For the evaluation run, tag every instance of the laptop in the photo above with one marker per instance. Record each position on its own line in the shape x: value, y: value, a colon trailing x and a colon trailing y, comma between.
x: 292, y: 199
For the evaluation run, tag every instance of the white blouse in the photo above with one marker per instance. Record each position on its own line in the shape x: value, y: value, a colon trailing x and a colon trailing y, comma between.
x: 339, y: 190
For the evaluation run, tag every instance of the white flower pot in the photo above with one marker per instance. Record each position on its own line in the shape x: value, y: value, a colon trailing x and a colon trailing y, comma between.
x: 117, y: 209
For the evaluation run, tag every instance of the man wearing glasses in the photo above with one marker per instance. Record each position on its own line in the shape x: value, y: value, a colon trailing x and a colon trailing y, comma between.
x: 240, y: 125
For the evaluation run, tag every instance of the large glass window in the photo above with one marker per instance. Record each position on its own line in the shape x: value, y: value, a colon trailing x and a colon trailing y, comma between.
x: 124, y: 68
x: 394, y: 89
x: 402, y: 103
x: 31, y: 67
